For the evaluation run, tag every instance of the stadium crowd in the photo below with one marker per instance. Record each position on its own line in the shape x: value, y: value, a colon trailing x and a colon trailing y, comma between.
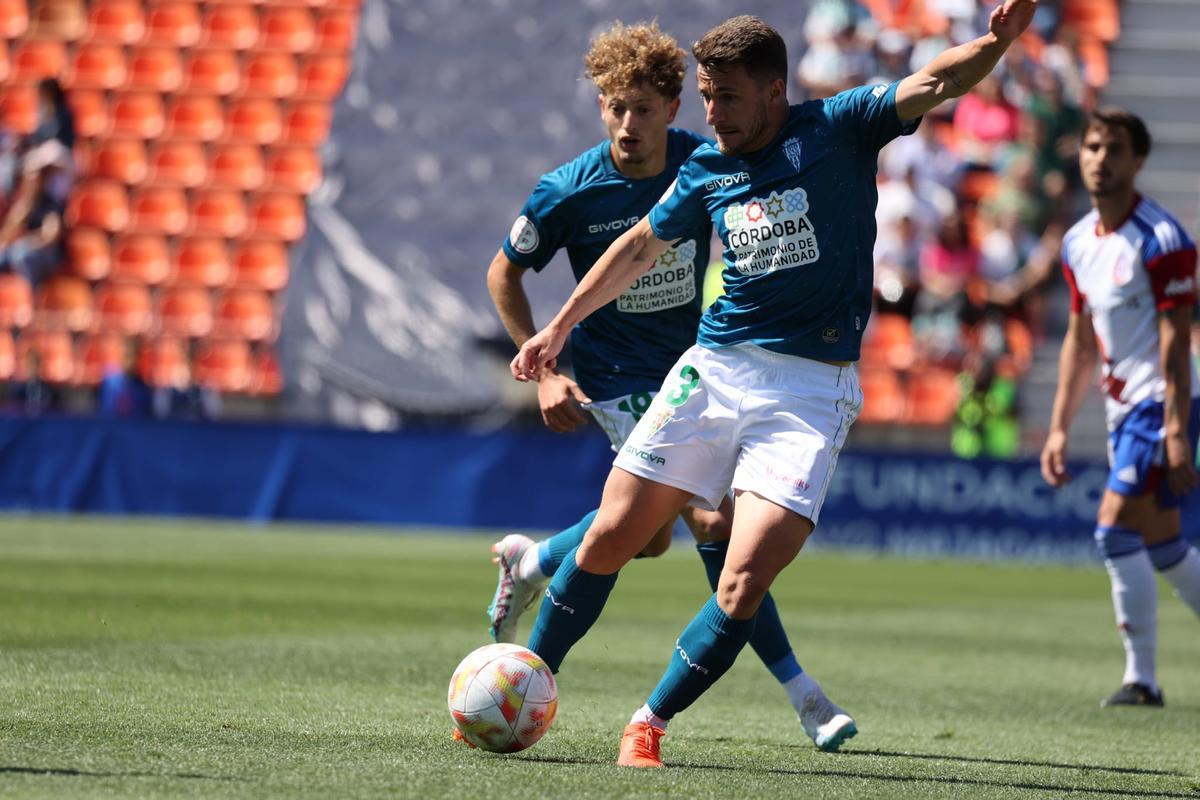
x: 972, y: 209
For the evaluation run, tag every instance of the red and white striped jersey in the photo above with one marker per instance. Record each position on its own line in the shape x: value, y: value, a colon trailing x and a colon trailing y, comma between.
x: 1123, y: 279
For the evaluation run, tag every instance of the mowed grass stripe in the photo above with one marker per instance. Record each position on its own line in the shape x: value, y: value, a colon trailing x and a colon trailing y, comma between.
x: 180, y: 659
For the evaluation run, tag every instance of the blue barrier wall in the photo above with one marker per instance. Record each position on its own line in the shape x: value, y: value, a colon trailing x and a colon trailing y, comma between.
x: 932, y: 505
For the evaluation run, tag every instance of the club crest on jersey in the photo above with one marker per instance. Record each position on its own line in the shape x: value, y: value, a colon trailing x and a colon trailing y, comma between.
x: 524, y: 235
x: 791, y: 149
x: 1122, y: 271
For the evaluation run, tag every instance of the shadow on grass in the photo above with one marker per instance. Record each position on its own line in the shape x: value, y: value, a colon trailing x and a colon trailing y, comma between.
x: 913, y: 779
x: 82, y: 773
x: 1015, y: 762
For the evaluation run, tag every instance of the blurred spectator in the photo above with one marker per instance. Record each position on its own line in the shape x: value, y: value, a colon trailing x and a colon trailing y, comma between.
x: 837, y: 58
x: 933, y: 162
x: 984, y: 120
x: 1061, y: 121
x: 892, y: 49
x: 122, y: 391
x: 32, y: 396
x: 32, y: 231
x: 187, y: 399
x: 897, y: 265
x: 1022, y: 193
x: 949, y: 263
x: 55, y: 120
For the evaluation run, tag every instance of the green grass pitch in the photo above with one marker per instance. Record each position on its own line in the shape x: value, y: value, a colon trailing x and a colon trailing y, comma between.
x: 169, y: 659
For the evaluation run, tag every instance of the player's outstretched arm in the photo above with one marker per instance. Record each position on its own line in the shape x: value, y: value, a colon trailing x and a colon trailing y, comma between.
x: 559, y: 397
x: 1076, y: 366
x: 614, y: 272
x: 955, y: 71
x: 1174, y: 335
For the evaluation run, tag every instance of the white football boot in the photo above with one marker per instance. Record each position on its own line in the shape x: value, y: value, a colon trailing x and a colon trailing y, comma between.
x: 513, y: 595
x: 826, y: 724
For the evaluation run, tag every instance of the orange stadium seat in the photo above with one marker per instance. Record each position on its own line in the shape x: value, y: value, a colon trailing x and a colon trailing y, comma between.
x: 218, y: 212
x: 60, y: 20
x: 98, y: 204
x: 224, y: 365
x: 35, y: 59
x: 172, y: 24
x: 56, y: 356
x: 90, y: 110
x: 123, y: 308
x: 236, y: 166
x: 5, y: 63
x: 14, y: 18
x: 335, y: 31
x: 212, y: 72
x: 889, y: 342
x: 253, y: 120
x: 137, y: 114
x: 932, y: 396
x: 88, y: 256
x: 97, y: 356
x: 197, y: 118
x: 229, y: 25
x: 277, y: 215
x: 245, y: 314
x: 159, y: 209
x: 96, y: 66
x: 294, y: 169
x: 883, y: 396
x: 16, y: 301
x: 286, y: 28
x: 269, y: 75
x: 267, y: 380
x: 18, y: 108
x: 8, y: 355
x: 163, y: 362
x: 185, y: 311
x: 323, y: 77
x: 64, y: 301
x: 260, y: 264
x: 116, y: 21
x: 306, y: 123
x: 178, y: 164
x: 121, y: 160
x: 155, y: 69
x: 201, y: 261
x: 140, y: 258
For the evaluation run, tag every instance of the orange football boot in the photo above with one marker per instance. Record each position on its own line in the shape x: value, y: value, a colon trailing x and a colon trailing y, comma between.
x: 639, y: 745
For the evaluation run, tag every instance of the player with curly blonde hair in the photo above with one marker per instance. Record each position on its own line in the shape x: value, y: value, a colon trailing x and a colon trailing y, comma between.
x: 623, y: 352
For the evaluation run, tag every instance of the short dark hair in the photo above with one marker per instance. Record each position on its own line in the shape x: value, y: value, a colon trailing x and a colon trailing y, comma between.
x: 1113, y: 117
x: 747, y: 41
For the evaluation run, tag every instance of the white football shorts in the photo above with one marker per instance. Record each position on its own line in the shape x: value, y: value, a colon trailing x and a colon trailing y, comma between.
x: 749, y: 419
x: 617, y: 417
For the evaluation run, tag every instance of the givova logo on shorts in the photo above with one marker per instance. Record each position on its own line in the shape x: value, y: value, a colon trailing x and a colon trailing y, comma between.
x: 771, y: 233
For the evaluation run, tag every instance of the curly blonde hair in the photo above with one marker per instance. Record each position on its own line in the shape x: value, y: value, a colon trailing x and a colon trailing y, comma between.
x: 626, y: 56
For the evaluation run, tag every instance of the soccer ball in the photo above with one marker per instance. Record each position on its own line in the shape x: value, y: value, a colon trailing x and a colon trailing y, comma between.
x: 503, y: 698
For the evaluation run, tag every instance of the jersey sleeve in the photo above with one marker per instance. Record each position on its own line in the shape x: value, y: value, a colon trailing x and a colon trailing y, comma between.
x: 1078, y: 301
x: 541, y: 229
x: 868, y: 115
x: 1170, y: 259
x: 681, y: 207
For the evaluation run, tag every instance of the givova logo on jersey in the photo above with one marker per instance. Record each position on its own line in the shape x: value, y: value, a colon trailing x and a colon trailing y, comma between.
x: 771, y: 233
x: 669, y: 283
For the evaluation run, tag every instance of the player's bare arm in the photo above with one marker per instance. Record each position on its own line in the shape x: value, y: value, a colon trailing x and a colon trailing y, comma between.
x: 628, y: 257
x: 558, y: 396
x: 1174, y: 336
x: 955, y: 72
x: 1076, y: 368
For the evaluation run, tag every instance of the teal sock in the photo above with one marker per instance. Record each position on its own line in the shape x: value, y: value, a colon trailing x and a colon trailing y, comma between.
x: 770, y: 640
x: 552, y: 551
x: 703, y: 653
x: 573, y: 601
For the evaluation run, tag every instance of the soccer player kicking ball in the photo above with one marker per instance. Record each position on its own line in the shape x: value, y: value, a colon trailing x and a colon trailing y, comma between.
x: 762, y: 403
x: 1131, y: 270
x: 623, y: 351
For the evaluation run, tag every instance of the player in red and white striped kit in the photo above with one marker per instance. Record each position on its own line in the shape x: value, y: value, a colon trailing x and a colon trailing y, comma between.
x: 1132, y: 273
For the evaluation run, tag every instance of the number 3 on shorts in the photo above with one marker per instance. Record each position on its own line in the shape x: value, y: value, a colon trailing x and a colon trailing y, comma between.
x: 691, y: 379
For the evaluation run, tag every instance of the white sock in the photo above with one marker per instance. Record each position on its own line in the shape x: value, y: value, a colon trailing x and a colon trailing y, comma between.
x: 1185, y: 577
x: 1135, y: 601
x: 798, y: 688
x: 529, y: 568
x: 644, y: 714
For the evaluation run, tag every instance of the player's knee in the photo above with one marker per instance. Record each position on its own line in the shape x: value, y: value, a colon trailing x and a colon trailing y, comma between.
x: 658, y: 545
x: 1115, y: 542
x: 710, y: 528
x: 605, y: 550
x: 740, y: 591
